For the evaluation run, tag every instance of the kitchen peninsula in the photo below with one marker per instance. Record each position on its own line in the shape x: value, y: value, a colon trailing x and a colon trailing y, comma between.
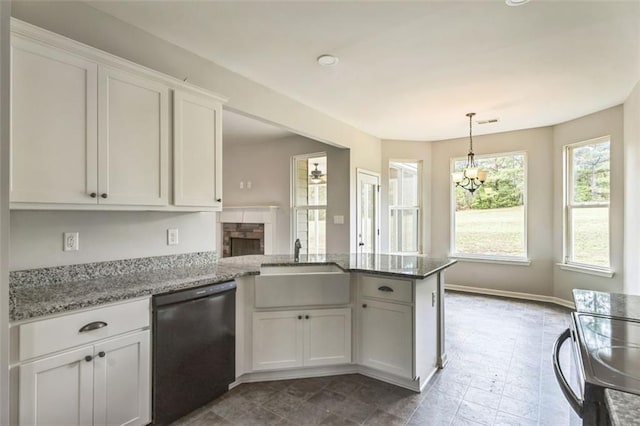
x: 378, y: 315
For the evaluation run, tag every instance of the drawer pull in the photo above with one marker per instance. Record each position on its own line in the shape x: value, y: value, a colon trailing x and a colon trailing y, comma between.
x: 386, y: 288
x: 93, y: 326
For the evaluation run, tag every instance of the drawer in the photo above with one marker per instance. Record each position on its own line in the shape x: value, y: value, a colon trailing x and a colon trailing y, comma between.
x: 386, y: 288
x: 50, y: 335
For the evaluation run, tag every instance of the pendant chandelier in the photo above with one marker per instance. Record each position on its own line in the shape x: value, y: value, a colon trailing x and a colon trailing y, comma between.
x: 316, y: 175
x: 471, y: 178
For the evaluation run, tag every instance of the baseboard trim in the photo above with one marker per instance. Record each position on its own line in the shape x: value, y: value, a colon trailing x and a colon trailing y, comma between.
x: 511, y: 294
x: 417, y: 385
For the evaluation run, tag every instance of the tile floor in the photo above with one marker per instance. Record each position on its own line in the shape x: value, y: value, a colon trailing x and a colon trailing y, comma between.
x: 499, y: 373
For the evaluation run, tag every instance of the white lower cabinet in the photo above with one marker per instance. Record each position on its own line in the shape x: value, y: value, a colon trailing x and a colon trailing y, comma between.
x: 386, y: 337
x: 102, y: 384
x: 289, y: 339
x: 58, y: 390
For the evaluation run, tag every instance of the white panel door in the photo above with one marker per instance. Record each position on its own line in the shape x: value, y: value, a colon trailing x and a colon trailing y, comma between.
x: 58, y: 390
x: 53, y: 125
x: 197, y: 150
x: 327, y: 337
x: 133, y: 142
x: 277, y: 340
x: 122, y: 393
x: 386, y: 337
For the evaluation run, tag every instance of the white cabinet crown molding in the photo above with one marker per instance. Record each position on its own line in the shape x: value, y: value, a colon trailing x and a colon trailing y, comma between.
x: 88, y: 52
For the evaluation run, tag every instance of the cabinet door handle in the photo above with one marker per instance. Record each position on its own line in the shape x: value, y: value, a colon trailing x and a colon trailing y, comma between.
x: 88, y: 358
x: 299, y: 317
x: 93, y: 195
x: 364, y: 305
x: 306, y: 317
x: 101, y: 354
x: 219, y: 200
x: 93, y: 326
x: 386, y: 288
x: 104, y: 195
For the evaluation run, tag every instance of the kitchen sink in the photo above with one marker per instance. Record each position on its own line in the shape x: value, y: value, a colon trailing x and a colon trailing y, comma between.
x: 299, y: 269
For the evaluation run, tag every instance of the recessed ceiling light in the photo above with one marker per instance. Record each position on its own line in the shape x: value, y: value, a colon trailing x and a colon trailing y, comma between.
x: 327, y: 60
x: 516, y: 2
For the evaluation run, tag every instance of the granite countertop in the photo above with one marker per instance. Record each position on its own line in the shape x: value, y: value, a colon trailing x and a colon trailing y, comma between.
x: 615, y: 305
x: 624, y: 408
x: 30, y: 299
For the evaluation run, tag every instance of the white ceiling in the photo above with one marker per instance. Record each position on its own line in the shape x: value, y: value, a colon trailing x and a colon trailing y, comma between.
x: 239, y: 129
x: 411, y: 70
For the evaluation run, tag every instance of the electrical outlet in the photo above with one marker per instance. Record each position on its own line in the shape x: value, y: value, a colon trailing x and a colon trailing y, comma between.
x: 248, y: 184
x: 172, y: 237
x: 70, y: 241
x: 241, y: 185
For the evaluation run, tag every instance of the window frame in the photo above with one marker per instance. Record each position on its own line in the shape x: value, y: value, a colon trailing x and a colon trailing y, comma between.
x: 402, y: 208
x: 294, y: 209
x: 569, y: 205
x: 491, y: 258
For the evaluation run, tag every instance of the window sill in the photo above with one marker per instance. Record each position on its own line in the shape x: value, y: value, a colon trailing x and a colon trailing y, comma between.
x: 600, y: 272
x: 517, y: 261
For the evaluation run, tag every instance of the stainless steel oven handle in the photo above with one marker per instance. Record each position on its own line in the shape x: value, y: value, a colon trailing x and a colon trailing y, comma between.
x: 572, y: 398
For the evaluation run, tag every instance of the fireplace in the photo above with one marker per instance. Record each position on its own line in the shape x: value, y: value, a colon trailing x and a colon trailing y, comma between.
x: 240, y: 239
x: 247, y: 222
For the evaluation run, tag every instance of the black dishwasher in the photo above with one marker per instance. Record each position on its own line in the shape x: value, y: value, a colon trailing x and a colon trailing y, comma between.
x: 193, y: 348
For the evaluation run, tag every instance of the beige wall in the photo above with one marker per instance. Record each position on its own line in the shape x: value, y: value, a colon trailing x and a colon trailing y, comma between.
x: 415, y: 151
x: 535, y: 278
x: 631, y: 198
x: 603, y: 123
x: 268, y: 166
x: 36, y: 236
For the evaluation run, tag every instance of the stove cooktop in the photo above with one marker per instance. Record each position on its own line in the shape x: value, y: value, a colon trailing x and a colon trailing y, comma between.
x: 610, y: 350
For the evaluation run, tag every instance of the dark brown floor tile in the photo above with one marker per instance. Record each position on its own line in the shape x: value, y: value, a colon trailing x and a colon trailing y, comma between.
x: 258, y: 393
x: 308, y: 414
x: 283, y: 403
x: 232, y: 408
x: 209, y: 419
x: 326, y: 399
x: 353, y: 409
x: 305, y: 388
x: 334, y: 420
x: 344, y: 385
x: 380, y: 418
x: 259, y: 417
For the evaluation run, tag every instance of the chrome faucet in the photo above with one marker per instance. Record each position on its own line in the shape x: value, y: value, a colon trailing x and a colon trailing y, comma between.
x: 296, y: 253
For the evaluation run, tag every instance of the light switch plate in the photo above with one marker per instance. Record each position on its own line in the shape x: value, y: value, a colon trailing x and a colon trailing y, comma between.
x: 172, y: 237
x: 71, y: 241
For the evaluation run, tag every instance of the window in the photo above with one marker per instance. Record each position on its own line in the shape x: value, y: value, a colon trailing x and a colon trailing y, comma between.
x: 587, y: 177
x: 310, y: 203
x: 404, y: 207
x: 492, y: 222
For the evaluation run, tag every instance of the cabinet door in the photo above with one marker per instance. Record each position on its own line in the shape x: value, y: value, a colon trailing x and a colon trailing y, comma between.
x: 133, y: 144
x: 197, y: 150
x: 58, y: 390
x: 277, y: 340
x: 53, y: 125
x: 122, y: 381
x: 386, y: 337
x: 327, y: 337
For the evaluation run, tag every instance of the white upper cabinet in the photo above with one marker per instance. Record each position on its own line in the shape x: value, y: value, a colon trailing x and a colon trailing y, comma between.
x: 197, y: 150
x: 54, y: 138
x: 91, y: 131
x: 133, y: 144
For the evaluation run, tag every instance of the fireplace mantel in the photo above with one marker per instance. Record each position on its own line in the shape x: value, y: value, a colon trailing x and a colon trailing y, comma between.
x: 251, y: 214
